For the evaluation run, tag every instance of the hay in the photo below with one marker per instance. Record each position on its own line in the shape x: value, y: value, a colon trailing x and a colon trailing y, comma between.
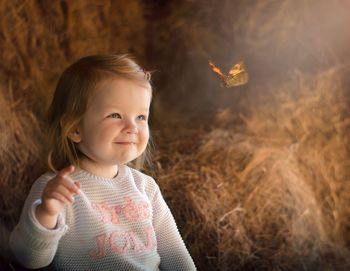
x: 273, y: 38
x: 260, y: 186
x: 267, y: 191
x: 38, y: 39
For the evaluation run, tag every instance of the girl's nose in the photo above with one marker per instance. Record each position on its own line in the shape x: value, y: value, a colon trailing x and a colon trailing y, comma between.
x: 130, y: 127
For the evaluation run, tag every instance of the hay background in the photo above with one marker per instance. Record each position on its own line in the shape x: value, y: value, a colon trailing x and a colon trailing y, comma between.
x: 257, y: 177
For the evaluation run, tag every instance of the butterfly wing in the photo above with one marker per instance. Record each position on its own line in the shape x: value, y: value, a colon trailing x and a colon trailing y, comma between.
x: 237, y: 76
x: 237, y: 68
x: 216, y: 69
x: 237, y: 80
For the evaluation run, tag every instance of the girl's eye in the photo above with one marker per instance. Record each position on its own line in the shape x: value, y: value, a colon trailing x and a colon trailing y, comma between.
x: 142, y: 117
x: 115, y: 116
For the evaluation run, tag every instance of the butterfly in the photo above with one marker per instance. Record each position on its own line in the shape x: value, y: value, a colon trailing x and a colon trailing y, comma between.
x: 237, y: 76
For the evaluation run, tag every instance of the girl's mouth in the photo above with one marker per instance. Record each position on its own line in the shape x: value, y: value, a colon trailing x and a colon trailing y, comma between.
x: 125, y: 143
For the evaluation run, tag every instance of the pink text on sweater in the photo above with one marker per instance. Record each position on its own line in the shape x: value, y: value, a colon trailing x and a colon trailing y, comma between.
x: 123, y: 241
x: 133, y: 211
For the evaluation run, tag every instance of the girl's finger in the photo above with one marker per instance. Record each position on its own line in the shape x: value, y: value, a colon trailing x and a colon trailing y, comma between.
x: 70, y: 185
x: 78, y: 185
x: 60, y: 197
x: 61, y: 189
x: 66, y: 171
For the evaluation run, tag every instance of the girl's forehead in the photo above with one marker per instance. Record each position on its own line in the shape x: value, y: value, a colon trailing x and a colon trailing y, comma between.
x: 119, y: 90
x: 120, y: 86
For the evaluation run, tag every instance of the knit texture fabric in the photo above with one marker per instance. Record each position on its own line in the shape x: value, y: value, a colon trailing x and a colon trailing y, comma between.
x: 114, y: 224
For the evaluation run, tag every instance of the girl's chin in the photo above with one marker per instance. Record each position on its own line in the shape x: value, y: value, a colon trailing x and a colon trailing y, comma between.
x: 124, y: 161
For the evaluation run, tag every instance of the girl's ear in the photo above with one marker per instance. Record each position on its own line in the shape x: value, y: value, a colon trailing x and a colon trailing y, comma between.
x: 75, y: 135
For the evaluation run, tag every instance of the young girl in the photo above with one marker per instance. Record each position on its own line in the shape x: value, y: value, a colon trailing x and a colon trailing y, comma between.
x: 96, y: 213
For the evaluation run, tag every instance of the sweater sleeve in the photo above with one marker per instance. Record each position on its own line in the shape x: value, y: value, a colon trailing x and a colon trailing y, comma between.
x: 32, y: 245
x: 171, y: 248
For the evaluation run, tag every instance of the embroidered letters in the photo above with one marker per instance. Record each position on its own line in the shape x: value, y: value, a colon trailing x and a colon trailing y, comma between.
x: 122, y: 241
x: 132, y: 211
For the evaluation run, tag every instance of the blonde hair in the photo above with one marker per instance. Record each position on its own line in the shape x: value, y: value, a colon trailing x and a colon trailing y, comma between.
x: 72, y: 97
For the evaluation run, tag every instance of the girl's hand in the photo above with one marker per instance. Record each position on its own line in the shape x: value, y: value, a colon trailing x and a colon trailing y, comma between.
x: 58, y: 192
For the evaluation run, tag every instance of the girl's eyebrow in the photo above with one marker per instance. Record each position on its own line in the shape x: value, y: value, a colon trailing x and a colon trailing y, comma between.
x: 145, y: 109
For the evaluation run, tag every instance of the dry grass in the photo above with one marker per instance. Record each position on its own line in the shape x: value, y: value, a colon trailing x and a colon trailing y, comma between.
x: 266, y: 191
x: 38, y: 39
x: 273, y: 38
x: 260, y: 186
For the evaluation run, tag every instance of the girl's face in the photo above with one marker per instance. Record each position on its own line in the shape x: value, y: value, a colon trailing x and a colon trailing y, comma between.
x: 114, y: 129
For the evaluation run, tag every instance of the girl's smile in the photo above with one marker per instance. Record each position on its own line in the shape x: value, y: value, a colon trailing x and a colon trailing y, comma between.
x: 114, y: 129
x: 125, y: 143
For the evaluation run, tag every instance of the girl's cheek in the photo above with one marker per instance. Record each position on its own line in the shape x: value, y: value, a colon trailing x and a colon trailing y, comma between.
x: 145, y: 133
x: 143, y: 127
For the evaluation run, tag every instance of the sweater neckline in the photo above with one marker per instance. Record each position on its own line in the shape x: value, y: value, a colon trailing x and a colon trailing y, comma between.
x: 90, y: 175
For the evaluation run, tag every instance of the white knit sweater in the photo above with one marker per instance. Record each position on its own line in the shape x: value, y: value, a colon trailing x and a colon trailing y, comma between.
x: 114, y: 224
